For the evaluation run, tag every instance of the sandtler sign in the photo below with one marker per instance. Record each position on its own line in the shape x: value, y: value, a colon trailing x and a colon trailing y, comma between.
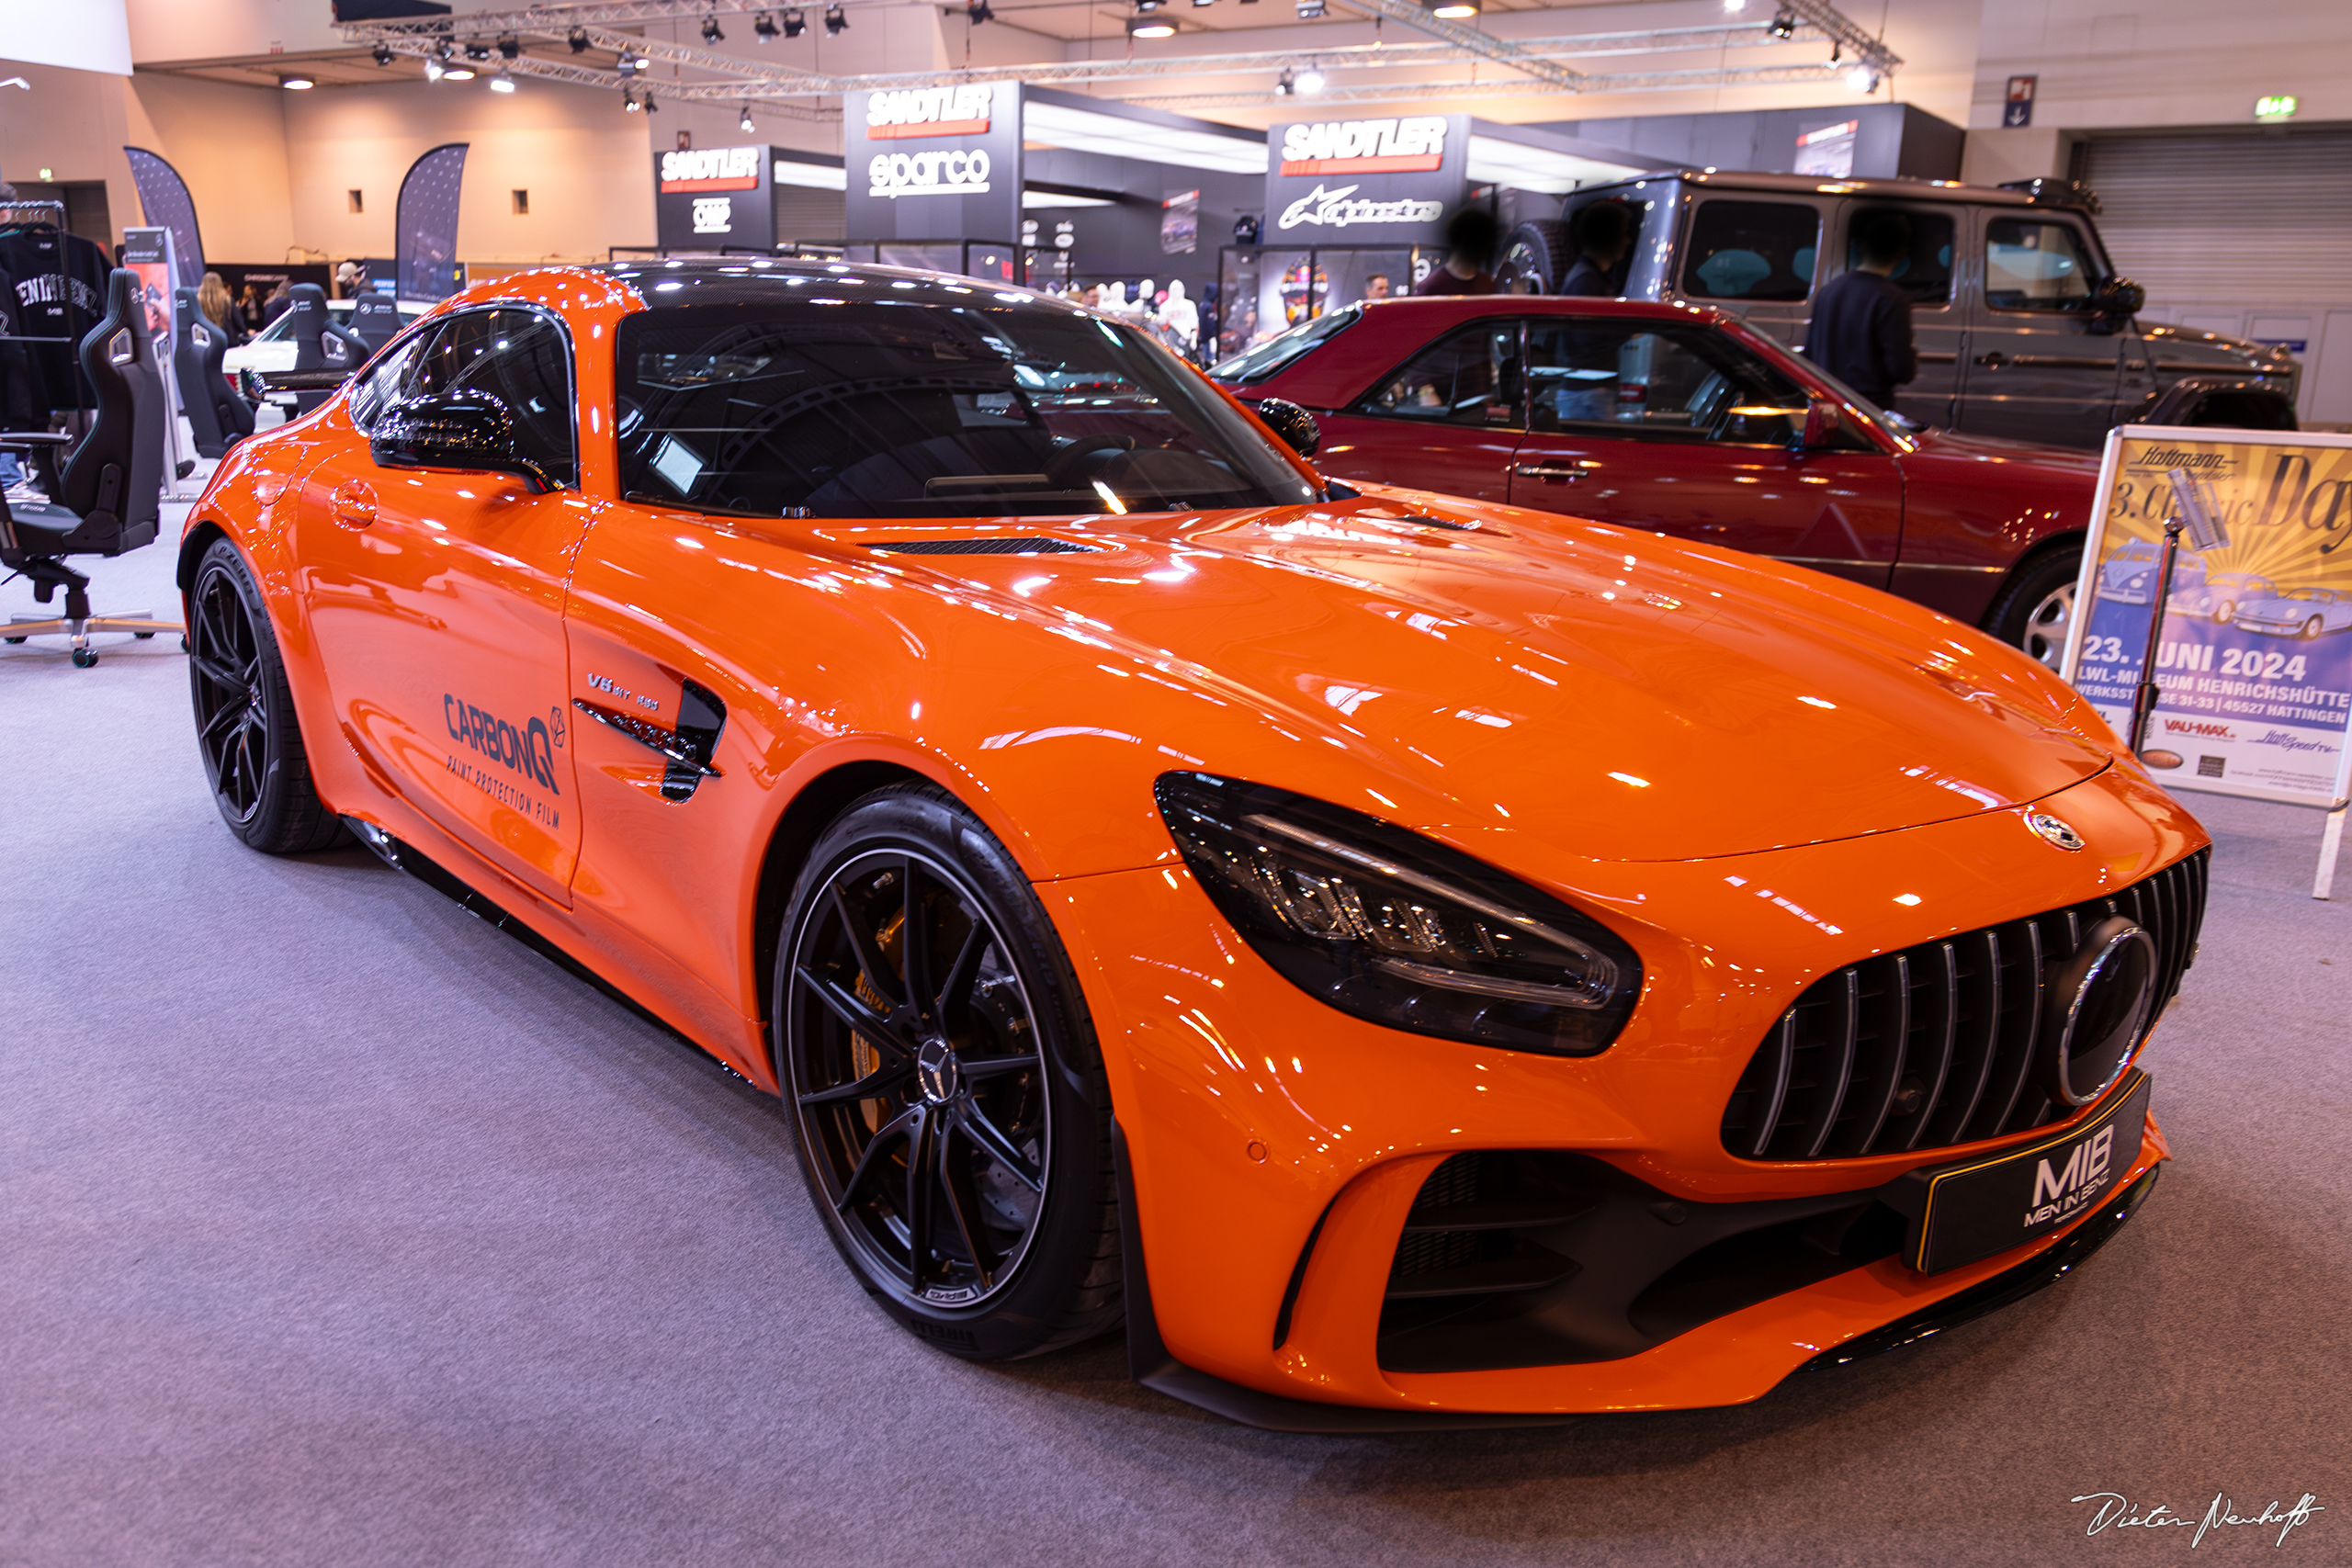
x: 934, y: 162
x: 1344, y: 181
x: 707, y: 199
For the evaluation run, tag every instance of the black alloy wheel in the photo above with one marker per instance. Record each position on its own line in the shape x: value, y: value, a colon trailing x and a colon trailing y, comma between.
x: 245, y: 726
x: 935, y: 1054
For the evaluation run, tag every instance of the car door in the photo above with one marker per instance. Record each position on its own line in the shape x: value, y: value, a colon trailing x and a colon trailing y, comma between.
x: 1447, y: 420
x: 1938, y: 313
x: 436, y: 599
x: 2036, y: 371
x: 1684, y: 428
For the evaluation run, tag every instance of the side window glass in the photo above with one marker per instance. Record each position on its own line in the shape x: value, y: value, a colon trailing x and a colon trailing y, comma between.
x: 1470, y: 377
x: 1926, y: 273
x: 523, y: 359
x: 1751, y: 250
x: 2036, y: 264
x: 384, y: 383
x: 1627, y: 379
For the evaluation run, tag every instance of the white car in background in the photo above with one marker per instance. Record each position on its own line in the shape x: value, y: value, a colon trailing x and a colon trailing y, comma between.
x: 270, y: 349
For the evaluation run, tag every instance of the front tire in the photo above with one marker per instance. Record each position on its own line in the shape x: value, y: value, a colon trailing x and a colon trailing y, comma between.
x: 936, y: 1054
x: 245, y: 726
x: 2311, y: 628
x: 2038, y: 606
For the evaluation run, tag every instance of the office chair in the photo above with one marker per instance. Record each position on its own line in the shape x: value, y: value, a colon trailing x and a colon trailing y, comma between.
x: 375, y: 321
x: 319, y: 343
x: 216, y: 413
x: 108, y: 496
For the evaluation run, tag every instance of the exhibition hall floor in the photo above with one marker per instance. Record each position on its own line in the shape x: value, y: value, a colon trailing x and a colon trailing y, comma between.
x: 339, y: 1228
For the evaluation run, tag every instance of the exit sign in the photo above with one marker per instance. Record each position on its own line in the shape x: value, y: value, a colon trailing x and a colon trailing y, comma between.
x: 2278, y: 105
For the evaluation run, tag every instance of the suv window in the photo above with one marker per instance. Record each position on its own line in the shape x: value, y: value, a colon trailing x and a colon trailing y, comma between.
x: 1751, y: 250
x: 1926, y: 273
x: 2037, y: 265
x: 1469, y: 376
x: 1633, y: 378
x: 521, y: 357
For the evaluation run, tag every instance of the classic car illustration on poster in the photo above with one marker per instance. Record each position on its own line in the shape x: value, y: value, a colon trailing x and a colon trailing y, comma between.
x: 2255, y: 666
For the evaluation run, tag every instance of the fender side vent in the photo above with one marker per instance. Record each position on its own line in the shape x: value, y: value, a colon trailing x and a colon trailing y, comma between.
x: 1018, y: 547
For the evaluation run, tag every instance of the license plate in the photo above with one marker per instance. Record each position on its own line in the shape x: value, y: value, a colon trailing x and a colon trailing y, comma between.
x: 1972, y: 1210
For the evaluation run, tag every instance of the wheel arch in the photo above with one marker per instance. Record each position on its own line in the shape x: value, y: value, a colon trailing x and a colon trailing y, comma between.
x: 193, y: 544
x: 2071, y: 544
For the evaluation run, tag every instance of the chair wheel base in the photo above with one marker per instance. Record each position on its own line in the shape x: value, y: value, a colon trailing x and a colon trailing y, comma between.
x: 85, y: 657
x: 12, y: 640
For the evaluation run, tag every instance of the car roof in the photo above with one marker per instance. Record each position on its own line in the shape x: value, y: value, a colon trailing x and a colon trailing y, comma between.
x: 1437, y: 306
x: 752, y: 280
x: 1909, y: 189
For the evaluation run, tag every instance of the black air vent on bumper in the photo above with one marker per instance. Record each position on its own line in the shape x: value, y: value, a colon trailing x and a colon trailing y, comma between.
x: 1933, y: 1045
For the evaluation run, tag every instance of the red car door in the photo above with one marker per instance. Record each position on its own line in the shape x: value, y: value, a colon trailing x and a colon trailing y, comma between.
x: 1686, y: 429
x: 1447, y: 420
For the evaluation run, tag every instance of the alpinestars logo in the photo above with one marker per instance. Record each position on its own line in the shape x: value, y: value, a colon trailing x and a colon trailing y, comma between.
x: 712, y: 168
x: 2057, y: 1193
x: 1364, y: 146
x: 1333, y: 210
x: 929, y: 111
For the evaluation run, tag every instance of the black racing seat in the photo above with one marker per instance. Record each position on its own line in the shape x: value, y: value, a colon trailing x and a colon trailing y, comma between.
x: 218, y: 414
x: 375, y: 321
x: 319, y: 343
x: 108, y: 496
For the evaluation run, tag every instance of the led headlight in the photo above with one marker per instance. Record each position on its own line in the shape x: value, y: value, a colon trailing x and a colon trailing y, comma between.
x: 1390, y: 927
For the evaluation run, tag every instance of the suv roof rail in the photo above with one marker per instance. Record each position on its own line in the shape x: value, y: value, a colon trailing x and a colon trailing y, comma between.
x: 2045, y: 191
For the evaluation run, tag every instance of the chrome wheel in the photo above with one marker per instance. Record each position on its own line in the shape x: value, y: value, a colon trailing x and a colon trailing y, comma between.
x: 913, y: 1063
x: 233, y: 727
x: 2047, y: 622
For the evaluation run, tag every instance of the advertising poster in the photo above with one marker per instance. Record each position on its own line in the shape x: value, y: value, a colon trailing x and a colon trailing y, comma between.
x: 707, y: 199
x: 1180, y: 223
x: 2255, y: 664
x: 1348, y: 182
x: 934, y: 163
x: 148, y: 253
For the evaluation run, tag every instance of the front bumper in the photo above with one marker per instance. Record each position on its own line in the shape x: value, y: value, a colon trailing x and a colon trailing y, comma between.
x: 1255, y: 1118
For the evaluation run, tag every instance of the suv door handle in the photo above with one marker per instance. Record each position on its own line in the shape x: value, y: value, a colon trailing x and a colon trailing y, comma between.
x: 1993, y: 360
x: 353, y: 503
x: 1546, y: 471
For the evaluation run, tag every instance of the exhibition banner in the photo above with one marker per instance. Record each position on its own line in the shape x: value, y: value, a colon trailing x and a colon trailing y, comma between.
x: 424, y: 227
x: 933, y: 163
x: 1332, y: 182
x: 163, y: 197
x: 707, y: 199
x: 2254, y: 661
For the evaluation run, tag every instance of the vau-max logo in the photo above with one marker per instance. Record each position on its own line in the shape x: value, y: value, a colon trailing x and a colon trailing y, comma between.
x: 2062, y: 1192
x: 527, y: 749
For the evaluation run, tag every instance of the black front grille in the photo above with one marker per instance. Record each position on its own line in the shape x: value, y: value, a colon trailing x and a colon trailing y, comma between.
x: 1934, y: 1045
x: 999, y: 546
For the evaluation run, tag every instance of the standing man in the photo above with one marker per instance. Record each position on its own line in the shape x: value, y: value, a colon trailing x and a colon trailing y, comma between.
x: 1469, y: 252
x: 1861, y: 331
x: 1376, y: 286
x: 1604, y: 237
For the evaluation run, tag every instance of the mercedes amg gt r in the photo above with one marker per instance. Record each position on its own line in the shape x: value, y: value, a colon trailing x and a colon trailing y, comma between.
x: 1415, y: 961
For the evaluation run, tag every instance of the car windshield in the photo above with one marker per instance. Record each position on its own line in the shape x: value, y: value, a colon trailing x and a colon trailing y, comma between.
x: 903, y: 408
x: 1285, y: 349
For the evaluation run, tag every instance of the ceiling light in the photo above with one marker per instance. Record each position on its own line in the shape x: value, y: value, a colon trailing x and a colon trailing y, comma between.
x: 1734, y: 7
x: 643, y: 61
x: 1862, y: 79
x: 383, y: 53
x: 577, y: 40
x: 1784, y: 24
x: 477, y: 50
x: 510, y: 46
x: 1286, y: 83
x: 710, y: 30
x: 762, y: 27
x: 297, y: 82
x: 834, y: 20
x: 745, y: 124
x: 1204, y: 2
x: 1309, y: 80
x: 1455, y: 10
x: 1310, y: 10
x: 433, y: 71
x: 650, y: 106
x: 628, y: 100
x: 503, y: 82
x: 1836, y: 49
x: 1150, y: 27
x: 445, y: 48
x: 795, y: 24
x: 459, y: 73
x: 977, y: 11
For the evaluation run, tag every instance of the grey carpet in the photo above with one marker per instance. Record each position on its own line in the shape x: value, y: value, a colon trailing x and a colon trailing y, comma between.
x: 337, y: 1228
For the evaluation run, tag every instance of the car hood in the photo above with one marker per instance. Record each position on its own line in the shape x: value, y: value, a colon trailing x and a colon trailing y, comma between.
x: 1623, y: 696
x: 1953, y: 445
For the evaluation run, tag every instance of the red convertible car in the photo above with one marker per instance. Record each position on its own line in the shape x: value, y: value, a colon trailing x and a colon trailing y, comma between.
x: 1683, y: 420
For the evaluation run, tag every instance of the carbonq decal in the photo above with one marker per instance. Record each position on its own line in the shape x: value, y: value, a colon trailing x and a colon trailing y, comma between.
x: 526, y: 750
x: 928, y: 111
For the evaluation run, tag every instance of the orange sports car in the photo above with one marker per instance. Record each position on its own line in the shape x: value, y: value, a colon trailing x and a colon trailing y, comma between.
x: 1418, y: 961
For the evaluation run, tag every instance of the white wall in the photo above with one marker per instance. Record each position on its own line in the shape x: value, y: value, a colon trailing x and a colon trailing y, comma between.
x: 81, y: 35
x: 229, y: 146
x: 72, y: 123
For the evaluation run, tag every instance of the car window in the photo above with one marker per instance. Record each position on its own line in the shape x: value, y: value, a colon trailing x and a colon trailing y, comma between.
x: 888, y: 408
x: 1468, y: 376
x: 1752, y: 250
x: 1926, y: 273
x: 275, y: 332
x: 1281, y: 352
x: 1630, y: 378
x: 520, y: 357
x: 2037, y: 265
x: 381, y: 386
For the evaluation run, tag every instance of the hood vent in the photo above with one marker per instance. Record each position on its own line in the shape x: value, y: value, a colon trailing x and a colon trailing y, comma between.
x: 1023, y: 546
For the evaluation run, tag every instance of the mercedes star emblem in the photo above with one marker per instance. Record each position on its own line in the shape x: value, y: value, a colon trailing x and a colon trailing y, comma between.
x: 2054, y: 829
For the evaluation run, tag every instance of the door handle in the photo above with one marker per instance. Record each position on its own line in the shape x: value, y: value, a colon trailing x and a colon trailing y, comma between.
x: 1993, y: 360
x: 1546, y: 471
x: 353, y: 503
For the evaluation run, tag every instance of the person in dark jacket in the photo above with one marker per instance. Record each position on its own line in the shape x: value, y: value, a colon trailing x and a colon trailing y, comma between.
x: 1861, y: 331
x: 1469, y: 254
x: 1604, y: 238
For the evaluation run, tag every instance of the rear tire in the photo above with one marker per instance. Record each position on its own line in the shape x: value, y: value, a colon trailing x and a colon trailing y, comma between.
x: 2037, y: 606
x: 2311, y: 628
x: 245, y: 726
x: 1535, y: 258
x: 965, y: 1174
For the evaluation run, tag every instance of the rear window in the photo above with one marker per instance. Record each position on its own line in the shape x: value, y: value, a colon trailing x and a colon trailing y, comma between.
x: 1281, y: 352
x: 1751, y: 250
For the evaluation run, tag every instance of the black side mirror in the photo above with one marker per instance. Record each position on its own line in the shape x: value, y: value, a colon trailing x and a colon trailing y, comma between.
x: 2114, y: 303
x: 469, y: 430
x: 1294, y: 425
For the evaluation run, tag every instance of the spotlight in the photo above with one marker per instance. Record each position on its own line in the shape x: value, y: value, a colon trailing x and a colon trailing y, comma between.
x: 1308, y: 81
x: 834, y: 20
x: 710, y: 30
x: 433, y: 71
x: 1862, y: 79
x: 762, y: 27
x: 502, y: 83
x: 297, y: 82
x: 477, y: 50
x: 628, y: 100
x: 1836, y: 48
x: 745, y: 124
x: 577, y: 40
x: 383, y: 53
x: 794, y: 22
x: 1784, y: 24
x: 446, y: 50
x: 625, y: 66
x: 1455, y: 10
x: 459, y: 73
x: 650, y: 106
x: 1150, y: 27
x: 1734, y: 7
x: 1310, y: 10
x: 977, y: 11
x: 1286, y: 83
x: 510, y: 47
x: 643, y: 61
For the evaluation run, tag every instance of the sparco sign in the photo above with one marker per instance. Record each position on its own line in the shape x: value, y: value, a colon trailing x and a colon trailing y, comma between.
x: 1366, y: 180
x: 934, y: 163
